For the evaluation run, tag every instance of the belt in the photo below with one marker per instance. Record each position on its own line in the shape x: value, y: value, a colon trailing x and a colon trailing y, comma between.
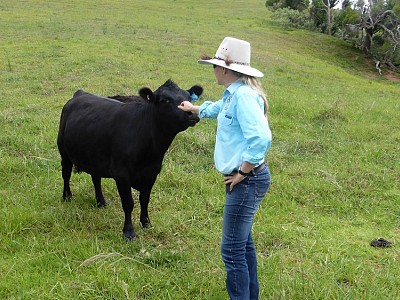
x: 257, y: 169
x: 253, y: 172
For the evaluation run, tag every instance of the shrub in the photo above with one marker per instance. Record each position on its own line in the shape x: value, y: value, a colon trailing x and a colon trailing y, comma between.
x: 291, y: 18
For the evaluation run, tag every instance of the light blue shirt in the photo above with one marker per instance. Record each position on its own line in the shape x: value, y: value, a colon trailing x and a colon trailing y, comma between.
x: 243, y: 132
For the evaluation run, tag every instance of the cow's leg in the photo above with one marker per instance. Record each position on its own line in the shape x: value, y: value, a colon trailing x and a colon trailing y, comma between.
x: 144, y: 198
x: 101, y: 202
x: 66, y: 165
x: 125, y: 192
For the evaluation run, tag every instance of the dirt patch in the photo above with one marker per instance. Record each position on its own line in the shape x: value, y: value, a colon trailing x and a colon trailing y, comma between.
x: 391, y: 76
x: 388, y: 74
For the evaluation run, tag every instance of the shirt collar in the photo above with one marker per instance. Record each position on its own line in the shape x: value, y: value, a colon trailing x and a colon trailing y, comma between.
x: 233, y: 87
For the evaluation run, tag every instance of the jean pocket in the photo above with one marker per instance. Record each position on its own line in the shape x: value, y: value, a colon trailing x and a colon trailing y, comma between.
x: 261, y: 188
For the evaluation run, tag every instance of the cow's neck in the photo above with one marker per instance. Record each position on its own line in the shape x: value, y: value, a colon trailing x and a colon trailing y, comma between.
x: 161, y: 137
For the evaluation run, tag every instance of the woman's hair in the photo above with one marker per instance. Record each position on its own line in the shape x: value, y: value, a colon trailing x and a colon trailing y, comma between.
x: 255, y: 84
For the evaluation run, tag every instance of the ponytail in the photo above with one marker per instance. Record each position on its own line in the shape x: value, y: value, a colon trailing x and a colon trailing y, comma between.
x: 255, y: 84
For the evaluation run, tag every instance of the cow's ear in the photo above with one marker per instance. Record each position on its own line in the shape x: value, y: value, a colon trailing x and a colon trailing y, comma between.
x: 197, y: 90
x: 147, y: 94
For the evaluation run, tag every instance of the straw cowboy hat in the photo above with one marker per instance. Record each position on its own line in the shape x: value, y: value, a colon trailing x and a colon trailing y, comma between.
x: 233, y: 54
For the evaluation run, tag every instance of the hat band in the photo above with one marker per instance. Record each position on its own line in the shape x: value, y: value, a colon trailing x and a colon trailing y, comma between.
x: 228, y: 62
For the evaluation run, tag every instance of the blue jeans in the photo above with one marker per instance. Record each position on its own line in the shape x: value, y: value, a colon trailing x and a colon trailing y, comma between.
x: 237, y: 246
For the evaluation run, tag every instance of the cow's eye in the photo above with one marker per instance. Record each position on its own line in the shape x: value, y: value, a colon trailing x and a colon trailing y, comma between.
x: 166, y: 100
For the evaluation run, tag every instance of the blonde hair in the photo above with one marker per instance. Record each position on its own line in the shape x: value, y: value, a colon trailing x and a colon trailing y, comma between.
x: 255, y: 84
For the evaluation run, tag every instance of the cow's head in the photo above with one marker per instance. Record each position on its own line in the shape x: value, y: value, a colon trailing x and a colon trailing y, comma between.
x: 167, y: 98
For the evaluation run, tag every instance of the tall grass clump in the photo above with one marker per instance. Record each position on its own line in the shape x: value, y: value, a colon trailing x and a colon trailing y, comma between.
x: 334, y: 159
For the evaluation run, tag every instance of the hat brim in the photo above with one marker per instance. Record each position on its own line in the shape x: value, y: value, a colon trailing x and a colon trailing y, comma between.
x: 247, y: 70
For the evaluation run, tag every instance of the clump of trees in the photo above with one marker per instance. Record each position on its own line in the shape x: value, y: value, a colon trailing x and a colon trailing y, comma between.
x: 373, y: 26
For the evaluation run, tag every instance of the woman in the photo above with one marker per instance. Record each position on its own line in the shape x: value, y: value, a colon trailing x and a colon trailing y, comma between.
x: 242, y: 141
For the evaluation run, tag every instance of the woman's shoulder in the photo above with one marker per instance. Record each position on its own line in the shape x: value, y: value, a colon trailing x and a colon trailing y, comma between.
x: 246, y: 89
x: 246, y: 92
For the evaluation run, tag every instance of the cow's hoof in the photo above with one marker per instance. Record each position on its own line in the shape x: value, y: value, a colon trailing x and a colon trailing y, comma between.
x: 67, y: 195
x: 130, y: 236
x: 67, y: 198
x: 101, y: 205
x: 130, y: 239
x: 146, y: 225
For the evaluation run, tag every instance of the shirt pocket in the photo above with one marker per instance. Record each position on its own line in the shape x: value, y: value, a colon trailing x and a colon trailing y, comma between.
x: 225, y: 119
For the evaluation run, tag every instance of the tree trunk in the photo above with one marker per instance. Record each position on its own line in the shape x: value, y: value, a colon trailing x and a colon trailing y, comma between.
x: 368, y: 40
x: 328, y: 16
x: 329, y: 19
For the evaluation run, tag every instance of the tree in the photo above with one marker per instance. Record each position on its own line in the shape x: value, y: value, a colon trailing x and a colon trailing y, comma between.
x: 318, y: 15
x: 322, y: 14
x: 347, y: 21
x: 329, y: 5
x: 382, y: 25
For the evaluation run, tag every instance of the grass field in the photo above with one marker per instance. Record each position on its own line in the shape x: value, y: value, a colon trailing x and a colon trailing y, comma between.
x: 335, y: 158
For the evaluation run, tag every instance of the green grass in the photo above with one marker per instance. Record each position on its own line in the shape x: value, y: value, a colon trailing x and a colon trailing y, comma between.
x: 334, y: 160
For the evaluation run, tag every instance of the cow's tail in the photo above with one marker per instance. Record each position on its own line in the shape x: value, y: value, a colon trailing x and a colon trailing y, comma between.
x: 61, y: 132
x: 64, y: 117
x: 60, y: 136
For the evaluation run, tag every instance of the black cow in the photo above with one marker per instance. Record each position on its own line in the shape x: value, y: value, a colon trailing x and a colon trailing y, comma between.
x: 124, y: 141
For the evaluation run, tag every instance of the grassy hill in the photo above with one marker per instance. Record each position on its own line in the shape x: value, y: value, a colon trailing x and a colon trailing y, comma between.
x: 334, y: 160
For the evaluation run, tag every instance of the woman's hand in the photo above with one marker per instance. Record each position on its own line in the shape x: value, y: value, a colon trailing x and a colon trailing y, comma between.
x: 186, y: 106
x: 233, y: 180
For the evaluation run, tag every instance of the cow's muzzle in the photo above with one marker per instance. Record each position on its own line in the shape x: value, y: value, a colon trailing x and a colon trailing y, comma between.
x: 193, y: 119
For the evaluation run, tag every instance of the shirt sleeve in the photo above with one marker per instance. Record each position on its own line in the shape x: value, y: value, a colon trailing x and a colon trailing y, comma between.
x: 210, y: 109
x: 255, y: 127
